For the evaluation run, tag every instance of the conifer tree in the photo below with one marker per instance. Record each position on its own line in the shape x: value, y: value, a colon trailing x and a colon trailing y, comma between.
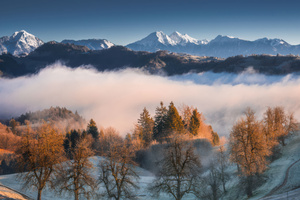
x: 159, y: 121
x: 92, y: 129
x: 173, y: 121
x: 146, y: 124
x: 194, y: 124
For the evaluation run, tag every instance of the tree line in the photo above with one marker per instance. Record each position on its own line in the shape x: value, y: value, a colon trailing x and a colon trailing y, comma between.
x: 63, y: 162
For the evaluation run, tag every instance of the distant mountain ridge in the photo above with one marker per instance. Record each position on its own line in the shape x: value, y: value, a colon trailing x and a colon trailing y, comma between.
x: 19, y: 43
x: 221, y: 46
x: 92, y: 44
x: 160, y: 62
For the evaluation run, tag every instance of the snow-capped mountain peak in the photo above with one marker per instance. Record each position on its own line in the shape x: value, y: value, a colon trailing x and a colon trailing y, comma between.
x: 178, y: 38
x: 93, y: 44
x: 224, y: 38
x: 20, y: 42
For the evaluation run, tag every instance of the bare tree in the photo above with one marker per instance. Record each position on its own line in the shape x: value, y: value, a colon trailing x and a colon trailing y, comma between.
x: 74, y: 176
x: 117, y: 173
x: 222, y: 160
x: 178, y: 170
x: 40, y: 156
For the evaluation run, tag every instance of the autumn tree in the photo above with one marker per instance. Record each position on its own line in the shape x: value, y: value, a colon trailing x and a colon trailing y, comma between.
x: 178, y: 170
x: 278, y: 125
x: 159, y: 122
x: 40, y: 156
x: 248, y: 147
x: 74, y: 176
x: 13, y: 124
x: 145, y: 127
x: 117, y: 173
x: 186, y: 112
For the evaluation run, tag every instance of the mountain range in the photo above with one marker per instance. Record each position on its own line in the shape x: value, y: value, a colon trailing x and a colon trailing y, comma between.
x: 22, y: 43
x: 221, y: 46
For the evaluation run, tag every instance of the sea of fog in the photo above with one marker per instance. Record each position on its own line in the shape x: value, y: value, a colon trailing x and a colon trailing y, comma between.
x: 117, y: 98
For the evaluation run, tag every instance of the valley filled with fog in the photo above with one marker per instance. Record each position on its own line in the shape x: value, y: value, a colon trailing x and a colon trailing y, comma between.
x: 116, y: 98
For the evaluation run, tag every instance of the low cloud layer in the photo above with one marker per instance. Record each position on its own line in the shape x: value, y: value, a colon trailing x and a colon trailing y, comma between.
x: 117, y: 98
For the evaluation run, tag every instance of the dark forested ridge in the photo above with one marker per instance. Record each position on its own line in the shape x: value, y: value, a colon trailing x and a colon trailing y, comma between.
x: 119, y: 57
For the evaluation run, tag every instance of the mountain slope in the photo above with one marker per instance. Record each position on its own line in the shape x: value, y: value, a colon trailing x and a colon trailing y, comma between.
x: 175, y: 42
x: 221, y: 46
x: 19, y: 43
x: 93, y: 44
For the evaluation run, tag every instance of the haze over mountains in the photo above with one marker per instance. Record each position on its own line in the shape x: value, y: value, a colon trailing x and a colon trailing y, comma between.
x: 22, y: 43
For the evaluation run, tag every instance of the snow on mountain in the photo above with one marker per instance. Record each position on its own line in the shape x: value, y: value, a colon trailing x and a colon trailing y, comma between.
x: 180, y: 39
x: 20, y: 43
x: 160, y: 41
x: 93, y: 44
x: 221, y: 46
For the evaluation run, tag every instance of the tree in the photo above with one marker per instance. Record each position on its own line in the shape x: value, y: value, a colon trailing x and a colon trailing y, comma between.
x: 178, y: 171
x: 215, y: 138
x: 74, y: 176
x: 194, y: 124
x: 92, y: 129
x: 278, y: 125
x: 71, y: 141
x: 248, y: 147
x: 222, y: 160
x: 145, y: 127
x: 173, y: 121
x: 159, y: 122
x: 13, y: 124
x: 40, y: 157
x: 213, y: 181
x: 117, y: 173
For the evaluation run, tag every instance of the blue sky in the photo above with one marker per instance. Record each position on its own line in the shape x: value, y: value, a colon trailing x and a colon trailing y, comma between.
x: 123, y: 22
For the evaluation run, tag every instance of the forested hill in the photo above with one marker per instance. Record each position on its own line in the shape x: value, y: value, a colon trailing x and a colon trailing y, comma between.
x: 63, y: 118
x: 118, y: 57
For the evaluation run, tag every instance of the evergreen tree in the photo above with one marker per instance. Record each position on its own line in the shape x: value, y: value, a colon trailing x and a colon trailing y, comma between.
x: 159, y: 121
x: 215, y: 138
x: 92, y: 129
x: 194, y: 123
x: 146, y: 124
x: 173, y: 121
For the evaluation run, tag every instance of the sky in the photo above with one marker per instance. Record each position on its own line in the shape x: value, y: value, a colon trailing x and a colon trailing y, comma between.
x: 123, y: 22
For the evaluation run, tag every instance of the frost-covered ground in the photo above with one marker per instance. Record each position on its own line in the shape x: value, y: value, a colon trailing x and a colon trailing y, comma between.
x: 6, y: 193
x: 275, y: 176
x: 146, y: 178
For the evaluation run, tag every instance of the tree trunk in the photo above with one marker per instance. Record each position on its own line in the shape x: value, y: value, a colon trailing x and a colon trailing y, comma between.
x: 76, y: 195
x: 224, y: 188
x: 39, y: 197
x: 178, y: 190
x: 249, y: 185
